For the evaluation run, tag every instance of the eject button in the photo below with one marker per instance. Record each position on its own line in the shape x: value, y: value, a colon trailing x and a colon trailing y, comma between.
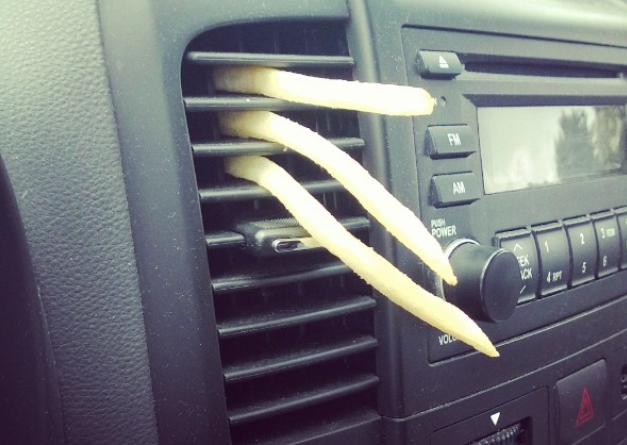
x: 439, y: 64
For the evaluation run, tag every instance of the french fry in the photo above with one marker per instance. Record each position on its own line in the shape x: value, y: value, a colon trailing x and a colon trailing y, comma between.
x: 332, y: 93
x: 366, y: 263
x: 398, y: 219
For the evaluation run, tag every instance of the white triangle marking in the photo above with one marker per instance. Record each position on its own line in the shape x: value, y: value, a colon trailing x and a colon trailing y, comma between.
x: 443, y: 63
x: 495, y: 418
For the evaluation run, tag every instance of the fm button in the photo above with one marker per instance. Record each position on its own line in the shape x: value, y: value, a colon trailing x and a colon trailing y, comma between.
x: 451, y: 141
x: 522, y: 245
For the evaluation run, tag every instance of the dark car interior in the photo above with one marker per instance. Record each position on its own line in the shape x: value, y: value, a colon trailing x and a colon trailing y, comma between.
x: 147, y: 297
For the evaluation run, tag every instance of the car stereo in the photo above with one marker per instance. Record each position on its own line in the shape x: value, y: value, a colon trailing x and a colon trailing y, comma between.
x: 525, y: 154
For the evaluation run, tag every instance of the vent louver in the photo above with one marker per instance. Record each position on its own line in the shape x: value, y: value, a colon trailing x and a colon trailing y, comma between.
x: 296, y: 328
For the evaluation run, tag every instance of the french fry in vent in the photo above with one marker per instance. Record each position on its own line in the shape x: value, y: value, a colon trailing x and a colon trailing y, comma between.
x: 393, y: 100
x: 395, y: 217
x: 363, y: 260
x: 322, y: 226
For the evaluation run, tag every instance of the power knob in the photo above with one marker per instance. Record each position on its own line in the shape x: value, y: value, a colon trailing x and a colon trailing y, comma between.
x: 488, y: 280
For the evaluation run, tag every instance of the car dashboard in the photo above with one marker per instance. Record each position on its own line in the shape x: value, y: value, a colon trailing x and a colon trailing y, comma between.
x: 150, y: 298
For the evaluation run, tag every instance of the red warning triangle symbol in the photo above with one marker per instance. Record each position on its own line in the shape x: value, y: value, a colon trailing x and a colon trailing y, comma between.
x: 586, y: 412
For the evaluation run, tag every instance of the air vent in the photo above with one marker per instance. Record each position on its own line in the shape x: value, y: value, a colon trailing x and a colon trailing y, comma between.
x: 295, y: 327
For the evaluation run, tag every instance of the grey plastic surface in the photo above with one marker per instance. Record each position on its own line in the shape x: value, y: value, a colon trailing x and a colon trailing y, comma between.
x: 595, y: 21
x: 59, y: 143
x: 30, y: 403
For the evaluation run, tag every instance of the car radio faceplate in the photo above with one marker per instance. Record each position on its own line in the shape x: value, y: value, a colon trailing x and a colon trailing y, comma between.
x: 525, y: 151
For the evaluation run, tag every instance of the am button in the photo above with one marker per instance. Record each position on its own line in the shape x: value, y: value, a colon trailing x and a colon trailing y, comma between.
x: 455, y: 189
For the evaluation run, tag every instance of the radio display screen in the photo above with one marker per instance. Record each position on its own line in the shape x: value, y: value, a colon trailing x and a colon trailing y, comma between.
x: 525, y: 147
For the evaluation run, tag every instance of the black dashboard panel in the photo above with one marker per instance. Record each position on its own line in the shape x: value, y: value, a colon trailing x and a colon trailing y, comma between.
x: 159, y: 320
x: 61, y: 153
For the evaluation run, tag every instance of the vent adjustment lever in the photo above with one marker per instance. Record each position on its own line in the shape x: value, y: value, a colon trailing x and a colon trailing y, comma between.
x: 271, y: 237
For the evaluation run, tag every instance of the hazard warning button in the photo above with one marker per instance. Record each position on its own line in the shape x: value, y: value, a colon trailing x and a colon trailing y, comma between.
x: 582, y: 403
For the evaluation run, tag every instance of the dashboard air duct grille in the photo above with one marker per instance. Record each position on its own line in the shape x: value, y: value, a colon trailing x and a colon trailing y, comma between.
x: 295, y: 326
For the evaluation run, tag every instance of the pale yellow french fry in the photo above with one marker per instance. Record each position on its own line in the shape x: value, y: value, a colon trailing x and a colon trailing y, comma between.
x: 397, y: 219
x: 366, y: 263
x: 396, y: 100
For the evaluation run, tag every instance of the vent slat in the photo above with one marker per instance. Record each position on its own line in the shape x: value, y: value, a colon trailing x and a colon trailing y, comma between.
x: 313, y: 430
x: 299, y: 357
x: 242, y: 191
x: 301, y: 399
x: 258, y: 278
x: 241, y: 103
x: 314, y: 311
x: 270, y: 60
x: 247, y: 147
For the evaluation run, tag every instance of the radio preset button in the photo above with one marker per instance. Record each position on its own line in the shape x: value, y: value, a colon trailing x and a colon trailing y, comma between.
x: 554, y: 259
x: 621, y: 216
x: 460, y: 188
x: 583, y: 246
x: 608, y: 239
x: 521, y: 244
x: 451, y: 141
x: 438, y: 64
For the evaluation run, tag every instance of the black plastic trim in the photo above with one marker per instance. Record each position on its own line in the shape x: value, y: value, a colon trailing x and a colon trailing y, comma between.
x: 259, y: 279
x: 304, y: 355
x: 242, y: 191
x: 261, y: 148
x: 317, y: 310
x: 269, y: 60
x: 331, y: 391
x: 30, y: 398
x: 222, y: 239
x: 241, y: 103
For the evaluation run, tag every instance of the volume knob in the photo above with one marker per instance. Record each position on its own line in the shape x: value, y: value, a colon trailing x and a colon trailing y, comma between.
x: 488, y: 280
